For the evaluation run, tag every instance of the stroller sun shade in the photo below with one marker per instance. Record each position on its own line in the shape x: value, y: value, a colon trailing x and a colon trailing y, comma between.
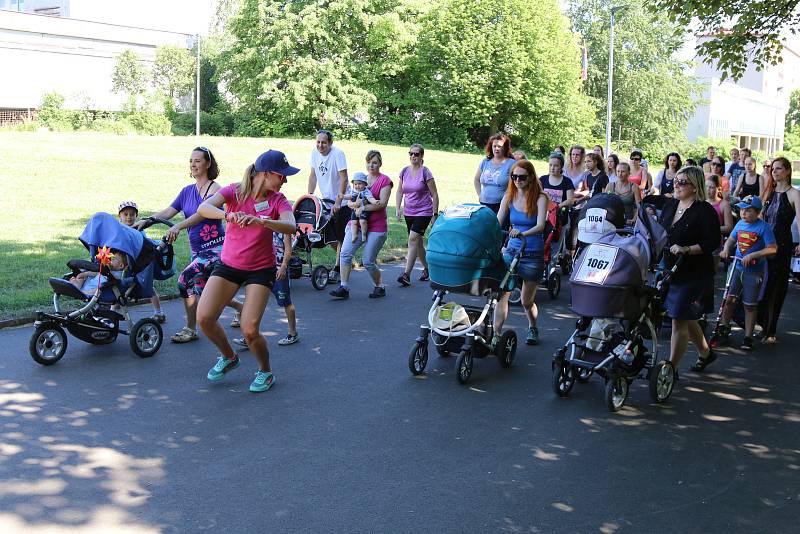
x: 103, y: 229
x: 465, y: 246
x: 312, y: 215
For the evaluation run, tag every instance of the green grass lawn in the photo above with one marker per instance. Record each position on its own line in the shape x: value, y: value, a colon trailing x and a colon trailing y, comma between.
x: 53, y: 182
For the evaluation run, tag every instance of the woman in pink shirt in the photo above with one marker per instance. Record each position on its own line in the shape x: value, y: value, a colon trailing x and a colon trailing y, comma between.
x: 418, y: 190
x: 254, y: 208
x: 377, y: 229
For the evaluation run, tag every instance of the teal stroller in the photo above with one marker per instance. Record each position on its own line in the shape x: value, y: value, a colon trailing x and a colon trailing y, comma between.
x: 464, y: 256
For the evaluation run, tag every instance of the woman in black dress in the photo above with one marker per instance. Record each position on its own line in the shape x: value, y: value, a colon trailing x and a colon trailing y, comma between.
x: 693, y: 229
x: 781, y: 210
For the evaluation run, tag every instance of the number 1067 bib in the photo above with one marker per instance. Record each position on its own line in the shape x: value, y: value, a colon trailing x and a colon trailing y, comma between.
x: 596, y: 264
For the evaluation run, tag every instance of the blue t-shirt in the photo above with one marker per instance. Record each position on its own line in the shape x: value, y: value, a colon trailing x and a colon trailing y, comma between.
x: 523, y: 223
x: 494, y: 180
x: 735, y: 171
x: 752, y: 237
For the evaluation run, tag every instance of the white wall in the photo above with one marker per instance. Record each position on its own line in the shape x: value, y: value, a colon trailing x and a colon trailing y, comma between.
x: 39, y: 54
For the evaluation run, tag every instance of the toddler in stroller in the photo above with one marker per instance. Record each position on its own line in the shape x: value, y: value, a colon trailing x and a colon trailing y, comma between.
x: 95, y: 321
x: 465, y: 256
x: 614, y: 336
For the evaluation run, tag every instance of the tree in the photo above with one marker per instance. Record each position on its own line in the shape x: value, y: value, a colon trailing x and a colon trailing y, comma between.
x: 653, y: 94
x: 510, y: 65
x: 741, y: 29
x: 129, y: 75
x: 793, y: 114
x: 304, y: 64
x: 173, y: 70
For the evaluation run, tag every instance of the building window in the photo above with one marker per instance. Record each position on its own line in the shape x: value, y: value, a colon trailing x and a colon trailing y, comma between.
x: 18, y: 5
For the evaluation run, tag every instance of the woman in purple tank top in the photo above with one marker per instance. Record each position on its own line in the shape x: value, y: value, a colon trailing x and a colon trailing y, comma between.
x: 205, y: 239
x: 417, y: 191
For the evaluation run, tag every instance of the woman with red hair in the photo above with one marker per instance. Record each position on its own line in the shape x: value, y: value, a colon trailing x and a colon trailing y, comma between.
x: 525, y: 204
x: 491, y: 178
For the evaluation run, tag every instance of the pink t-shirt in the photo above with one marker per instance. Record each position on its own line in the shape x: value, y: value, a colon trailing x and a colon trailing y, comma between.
x: 250, y: 248
x: 377, y: 219
x: 416, y: 195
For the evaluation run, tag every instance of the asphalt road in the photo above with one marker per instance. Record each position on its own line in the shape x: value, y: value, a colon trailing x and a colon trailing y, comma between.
x: 348, y: 441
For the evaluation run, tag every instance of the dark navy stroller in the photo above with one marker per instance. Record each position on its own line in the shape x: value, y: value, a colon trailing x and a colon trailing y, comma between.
x: 95, y: 322
x: 464, y: 256
x: 616, y: 295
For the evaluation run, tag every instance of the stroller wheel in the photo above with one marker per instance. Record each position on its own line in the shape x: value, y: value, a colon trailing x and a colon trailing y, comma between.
x: 563, y: 378
x: 418, y: 358
x: 616, y: 392
x: 146, y: 337
x: 554, y: 285
x: 464, y: 366
x: 516, y: 296
x: 319, y: 277
x: 584, y: 375
x: 506, y: 349
x: 566, y: 264
x: 662, y: 380
x: 48, y: 343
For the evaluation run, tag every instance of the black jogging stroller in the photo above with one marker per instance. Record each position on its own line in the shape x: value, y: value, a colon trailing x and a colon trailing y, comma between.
x: 95, y: 321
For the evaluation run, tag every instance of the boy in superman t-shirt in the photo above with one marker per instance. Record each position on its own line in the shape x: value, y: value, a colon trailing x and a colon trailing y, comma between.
x: 754, y: 242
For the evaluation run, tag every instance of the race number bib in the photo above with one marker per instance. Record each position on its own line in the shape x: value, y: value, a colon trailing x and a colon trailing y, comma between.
x: 596, y: 264
x: 595, y: 220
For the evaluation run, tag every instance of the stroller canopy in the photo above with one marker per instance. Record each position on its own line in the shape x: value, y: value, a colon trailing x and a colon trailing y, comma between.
x: 312, y: 214
x: 610, y: 274
x: 464, y: 246
x: 600, y: 215
x: 104, y: 230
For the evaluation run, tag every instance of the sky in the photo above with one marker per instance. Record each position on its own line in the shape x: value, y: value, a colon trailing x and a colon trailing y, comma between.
x: 184, y: 16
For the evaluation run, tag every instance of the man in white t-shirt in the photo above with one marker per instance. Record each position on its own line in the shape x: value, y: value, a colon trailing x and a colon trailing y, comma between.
x: 329, y: 172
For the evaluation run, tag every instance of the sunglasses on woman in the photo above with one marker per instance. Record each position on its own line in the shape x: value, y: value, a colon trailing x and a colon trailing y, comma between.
x: 519, y: 177
x: 414, y: 154
x: 682, y: 182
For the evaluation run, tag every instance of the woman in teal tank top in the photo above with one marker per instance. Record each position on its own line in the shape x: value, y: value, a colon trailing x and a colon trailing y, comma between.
x: 526, y: 204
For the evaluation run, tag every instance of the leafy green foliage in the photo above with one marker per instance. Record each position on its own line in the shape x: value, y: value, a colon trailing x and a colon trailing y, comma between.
x: 751, y: 29
x: 652, y: 99
x: 173, y: 70
x: 793, y: 114
x: 129, y: 74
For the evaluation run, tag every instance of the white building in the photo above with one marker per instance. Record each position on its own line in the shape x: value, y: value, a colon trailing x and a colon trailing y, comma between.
x: 48, y: 52
x: 751, y: 111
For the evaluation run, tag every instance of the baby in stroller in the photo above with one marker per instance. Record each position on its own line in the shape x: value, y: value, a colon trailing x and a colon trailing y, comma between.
x: 359, y: 219
x: 89, y: 282
x: 100, y: 285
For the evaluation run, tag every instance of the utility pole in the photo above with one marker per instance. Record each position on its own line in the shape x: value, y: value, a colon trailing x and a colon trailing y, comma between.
x: 614, y: 11
x: 197, y: 90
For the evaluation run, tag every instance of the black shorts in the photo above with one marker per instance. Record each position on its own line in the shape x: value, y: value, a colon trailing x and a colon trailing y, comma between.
x: 418, y: 223
x: 334, y: 230
x: 264, y: 277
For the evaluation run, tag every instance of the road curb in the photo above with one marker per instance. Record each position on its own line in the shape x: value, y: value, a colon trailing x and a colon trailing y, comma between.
x: 29, y: 319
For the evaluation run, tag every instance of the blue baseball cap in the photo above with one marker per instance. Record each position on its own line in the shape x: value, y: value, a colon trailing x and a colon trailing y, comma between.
x: 359, y: 177
x: 750, y: 201
x: 275, y: 161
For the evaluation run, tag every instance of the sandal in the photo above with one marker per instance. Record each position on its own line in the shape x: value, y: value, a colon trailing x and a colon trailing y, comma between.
x: 701, y: 363
x: 425, y: 276
x: 184, y: 335
x: 236, y: 321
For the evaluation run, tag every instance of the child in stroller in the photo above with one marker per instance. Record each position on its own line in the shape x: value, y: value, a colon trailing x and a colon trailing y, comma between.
x: 89, y: 281
x: 614, y: 336
x: 465, y: 256
x: 95, y: 321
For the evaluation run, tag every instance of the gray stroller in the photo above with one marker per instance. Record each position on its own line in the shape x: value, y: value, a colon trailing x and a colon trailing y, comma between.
x: 616, y: 295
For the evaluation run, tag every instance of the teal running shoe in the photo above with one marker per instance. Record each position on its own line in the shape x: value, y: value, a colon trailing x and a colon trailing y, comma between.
x: 262, y: 382
x: 533, y: 336
x: 222, y: 366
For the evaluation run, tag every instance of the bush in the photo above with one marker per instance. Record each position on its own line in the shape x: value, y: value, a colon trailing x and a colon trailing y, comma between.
x: 150, y: 123
x: 113, y: 125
